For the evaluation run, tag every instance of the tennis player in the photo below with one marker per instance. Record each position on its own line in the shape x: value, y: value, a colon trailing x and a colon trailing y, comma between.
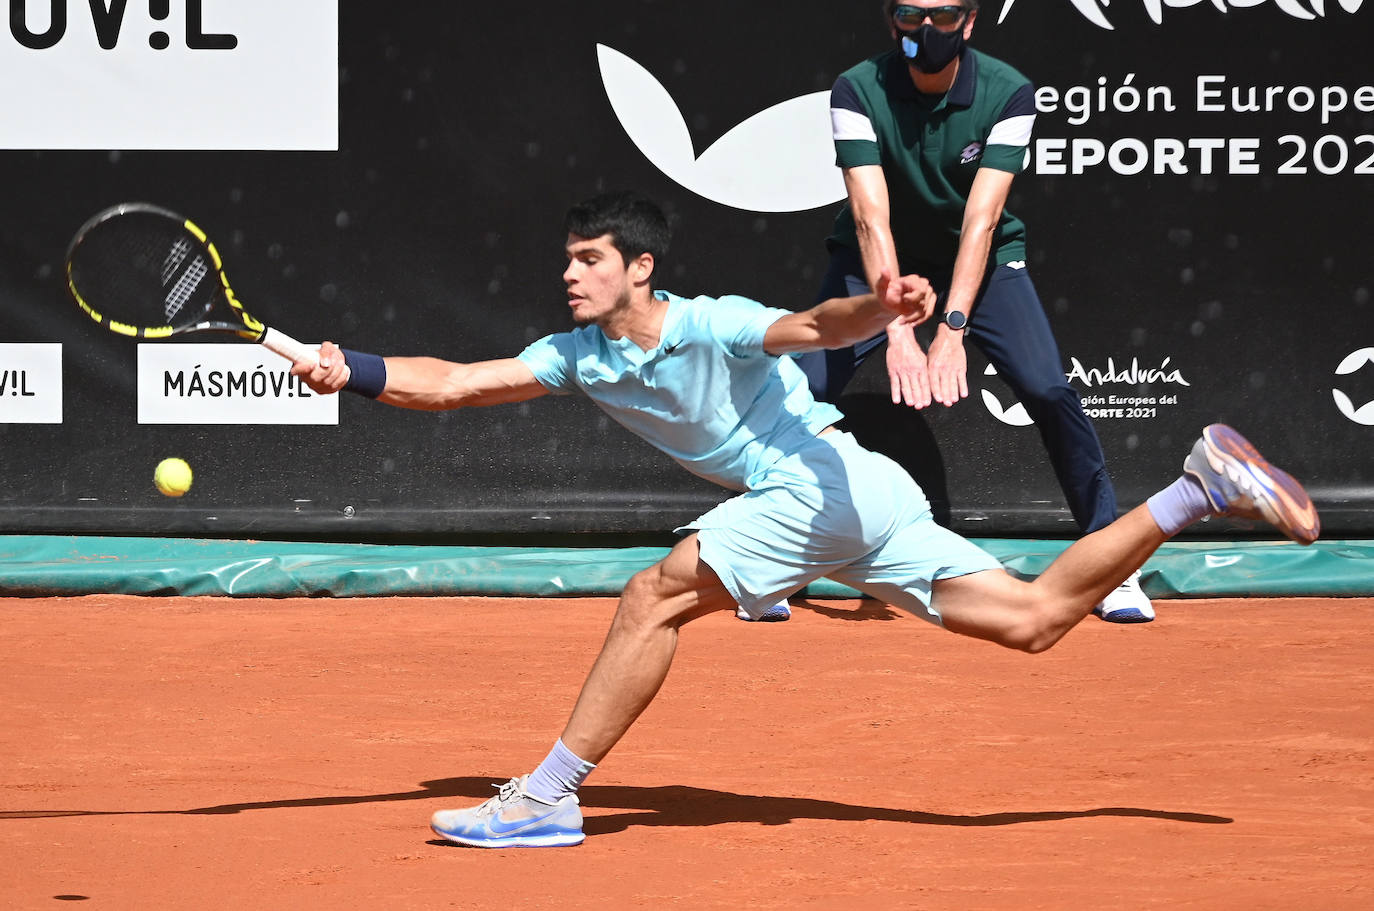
x: 705, y: 381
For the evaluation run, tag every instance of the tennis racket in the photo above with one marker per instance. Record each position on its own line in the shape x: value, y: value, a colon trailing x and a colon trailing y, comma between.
x: 145, y: 272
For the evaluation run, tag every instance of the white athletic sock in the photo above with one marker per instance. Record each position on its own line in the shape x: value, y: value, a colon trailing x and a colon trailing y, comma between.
x: 560, y: 774
x: 1179, y: 505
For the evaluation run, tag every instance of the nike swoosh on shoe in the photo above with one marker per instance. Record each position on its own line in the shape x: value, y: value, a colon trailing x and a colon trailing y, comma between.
x: 498, y: 827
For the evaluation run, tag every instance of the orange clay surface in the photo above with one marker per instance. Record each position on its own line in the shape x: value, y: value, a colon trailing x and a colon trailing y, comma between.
x: 164, y: 753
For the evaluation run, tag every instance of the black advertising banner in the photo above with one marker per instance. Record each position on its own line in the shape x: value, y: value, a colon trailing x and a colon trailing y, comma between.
x: 1197, y: 193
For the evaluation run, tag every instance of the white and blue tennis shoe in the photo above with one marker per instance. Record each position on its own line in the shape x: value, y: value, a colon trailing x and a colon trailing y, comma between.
x: 1127, y: 603
x: 514, y: 818
x: 778, y: 613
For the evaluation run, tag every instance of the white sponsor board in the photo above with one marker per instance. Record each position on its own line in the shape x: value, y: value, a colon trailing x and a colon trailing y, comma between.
x: 225, y: 384
x: 170, y: 74
x: 30, y: 383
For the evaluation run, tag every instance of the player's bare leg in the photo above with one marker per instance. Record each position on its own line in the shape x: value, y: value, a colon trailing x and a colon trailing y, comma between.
x: 639, y: 647
x: 1032, y: 616
x: 541, y: 809
x: 1224, y: 474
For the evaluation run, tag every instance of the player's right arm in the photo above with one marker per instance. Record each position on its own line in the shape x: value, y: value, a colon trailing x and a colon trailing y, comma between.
x: 842, y: 321
x: 428, y: 383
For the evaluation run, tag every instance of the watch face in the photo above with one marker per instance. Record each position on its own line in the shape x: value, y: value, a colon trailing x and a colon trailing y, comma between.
x: 956, y: 320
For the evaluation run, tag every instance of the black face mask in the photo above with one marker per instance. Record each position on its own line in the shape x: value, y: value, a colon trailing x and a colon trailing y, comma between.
x: 929, y: 49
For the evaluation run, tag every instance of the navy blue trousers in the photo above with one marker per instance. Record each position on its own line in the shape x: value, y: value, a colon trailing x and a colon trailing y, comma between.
x: 1010, y: 328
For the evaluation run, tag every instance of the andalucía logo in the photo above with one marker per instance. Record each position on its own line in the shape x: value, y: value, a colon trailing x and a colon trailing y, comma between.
x: 1138, y: 400
x: 1094, y: 10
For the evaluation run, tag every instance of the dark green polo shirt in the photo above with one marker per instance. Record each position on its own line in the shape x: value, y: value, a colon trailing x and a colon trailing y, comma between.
x: 930, y: 148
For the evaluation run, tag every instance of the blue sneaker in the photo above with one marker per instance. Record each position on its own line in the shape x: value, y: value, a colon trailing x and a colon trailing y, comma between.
x: 514, y: 818
x: 775, y: 614
x: 1239, y: 482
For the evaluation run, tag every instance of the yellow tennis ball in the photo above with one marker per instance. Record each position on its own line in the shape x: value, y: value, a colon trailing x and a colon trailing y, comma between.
x: 172, y: 477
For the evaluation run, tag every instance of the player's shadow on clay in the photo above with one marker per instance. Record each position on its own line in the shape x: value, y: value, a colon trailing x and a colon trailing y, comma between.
x: 680, y: 805
x: 866, y: 609
x: 670, y: 805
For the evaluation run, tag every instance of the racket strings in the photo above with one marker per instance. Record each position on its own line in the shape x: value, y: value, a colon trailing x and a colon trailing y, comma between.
x: 187, y: 285
x: 144, y: 272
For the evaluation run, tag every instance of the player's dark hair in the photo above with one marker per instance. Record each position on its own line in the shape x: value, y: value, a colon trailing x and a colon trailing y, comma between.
x: 635, y: 223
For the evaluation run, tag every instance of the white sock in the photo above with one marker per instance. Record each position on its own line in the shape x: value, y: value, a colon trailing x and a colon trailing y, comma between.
x: 560, y: 774
x: 1179, y: 505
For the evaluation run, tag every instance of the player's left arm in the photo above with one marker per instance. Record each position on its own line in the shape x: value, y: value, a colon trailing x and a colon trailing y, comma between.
x: 423, y: 383
x: 843, y: 321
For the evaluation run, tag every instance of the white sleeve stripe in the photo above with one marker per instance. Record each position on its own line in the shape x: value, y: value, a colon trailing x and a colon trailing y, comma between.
x: 1014, y: 131
x: 851, y: 125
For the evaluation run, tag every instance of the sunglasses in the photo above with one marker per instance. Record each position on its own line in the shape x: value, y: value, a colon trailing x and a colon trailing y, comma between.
x: 939, y: 16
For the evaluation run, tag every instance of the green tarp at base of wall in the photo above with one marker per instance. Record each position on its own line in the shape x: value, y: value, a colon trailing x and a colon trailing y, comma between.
x: 78, y: 565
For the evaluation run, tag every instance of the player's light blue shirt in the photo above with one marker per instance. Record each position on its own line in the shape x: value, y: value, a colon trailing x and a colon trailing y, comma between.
x: 708, y: 395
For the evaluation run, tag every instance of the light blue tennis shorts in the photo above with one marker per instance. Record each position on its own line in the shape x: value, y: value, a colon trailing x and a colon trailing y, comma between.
x: 837, y: 510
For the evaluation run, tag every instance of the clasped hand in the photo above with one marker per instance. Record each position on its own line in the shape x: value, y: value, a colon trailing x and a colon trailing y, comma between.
x: 909, y: 296
x: 326, y: 375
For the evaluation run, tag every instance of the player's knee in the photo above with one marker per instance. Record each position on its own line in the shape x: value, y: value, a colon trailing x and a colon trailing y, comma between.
x: 637, y: 597
x: 1041, y: 641
x: 1037, y: 629
x: 644, y: 602
x: 1024, y: 637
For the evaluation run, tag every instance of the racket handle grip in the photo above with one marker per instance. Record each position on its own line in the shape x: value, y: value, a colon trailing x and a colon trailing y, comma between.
x: 286, y: 346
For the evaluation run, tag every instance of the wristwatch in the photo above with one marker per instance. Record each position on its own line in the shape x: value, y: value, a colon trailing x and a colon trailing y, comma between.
x: 955, y: 320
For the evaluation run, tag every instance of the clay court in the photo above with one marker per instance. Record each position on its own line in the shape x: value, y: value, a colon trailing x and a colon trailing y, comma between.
x: 286, y: 753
